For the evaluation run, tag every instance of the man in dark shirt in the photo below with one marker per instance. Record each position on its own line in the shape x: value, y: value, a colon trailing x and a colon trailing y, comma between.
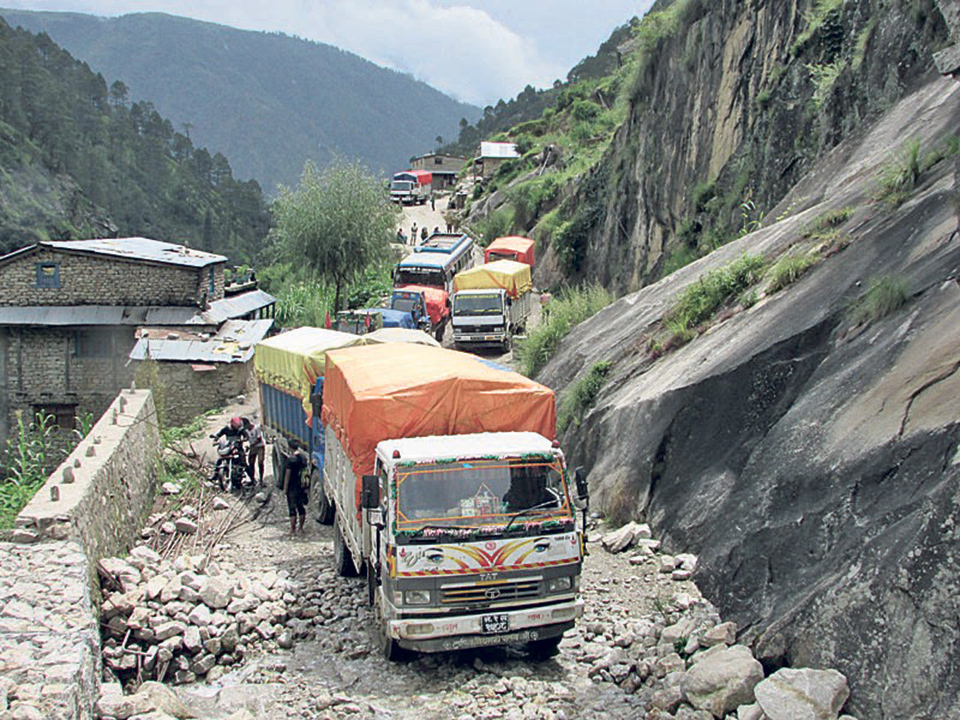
x: 295, y: 486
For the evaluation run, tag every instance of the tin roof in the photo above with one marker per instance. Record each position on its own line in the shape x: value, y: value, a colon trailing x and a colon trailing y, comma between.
x: 136, y: 248
x: 498, y: 150
x: 237, y: 306
x: 233, y: 343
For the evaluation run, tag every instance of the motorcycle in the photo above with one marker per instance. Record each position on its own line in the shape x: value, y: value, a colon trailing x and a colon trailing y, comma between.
x: 231, y: 464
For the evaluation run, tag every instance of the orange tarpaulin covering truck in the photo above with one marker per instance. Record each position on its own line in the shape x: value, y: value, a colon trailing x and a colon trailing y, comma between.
x: 491, y: 303
x: 451, y: 492
x: 513, y: 247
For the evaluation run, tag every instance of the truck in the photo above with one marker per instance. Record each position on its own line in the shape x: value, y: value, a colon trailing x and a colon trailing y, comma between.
x: 411, y: 187
x: 290, y: 369
x: 428, y: 307
x: 491, y: 303
x: 513, y: 247
x: 452, y: 496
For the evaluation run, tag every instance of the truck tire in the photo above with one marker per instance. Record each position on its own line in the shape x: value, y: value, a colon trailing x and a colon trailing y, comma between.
x: 342, y: 558
x: 544, y: 649
x: 389, y: 648
x: 321, y: 503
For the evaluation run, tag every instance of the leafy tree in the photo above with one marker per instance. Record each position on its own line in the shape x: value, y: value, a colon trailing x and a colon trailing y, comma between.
x: 337, y: 222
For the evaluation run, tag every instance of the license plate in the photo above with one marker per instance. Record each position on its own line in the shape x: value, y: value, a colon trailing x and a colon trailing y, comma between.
x: 494, y: 623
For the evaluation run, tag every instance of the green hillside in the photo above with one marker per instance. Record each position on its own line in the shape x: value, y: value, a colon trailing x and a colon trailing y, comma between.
x: 77, y: 160
x: 267, y: 101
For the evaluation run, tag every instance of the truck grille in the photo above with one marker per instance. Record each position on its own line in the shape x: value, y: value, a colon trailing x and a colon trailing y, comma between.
x: 487, y: 593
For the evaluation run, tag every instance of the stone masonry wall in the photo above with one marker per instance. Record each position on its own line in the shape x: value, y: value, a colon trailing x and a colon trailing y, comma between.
x: 187, y: 393
x: 87, y: 279
x: 90, y: 508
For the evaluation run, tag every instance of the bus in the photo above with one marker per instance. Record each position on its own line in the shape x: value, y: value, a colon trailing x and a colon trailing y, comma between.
x: 436, y: 261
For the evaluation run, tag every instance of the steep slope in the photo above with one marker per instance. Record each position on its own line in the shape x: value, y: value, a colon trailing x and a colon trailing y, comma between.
x: 267, y: 101
x: 805, y: 444
x: 76, y: 162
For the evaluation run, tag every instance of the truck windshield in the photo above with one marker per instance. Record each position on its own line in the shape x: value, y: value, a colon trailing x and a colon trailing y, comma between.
x: 401, y: 185
x: 406, y: 304
x: 494, y: 255
x: 420, y: 276
x: 478, y: 493
x: 477, y: 304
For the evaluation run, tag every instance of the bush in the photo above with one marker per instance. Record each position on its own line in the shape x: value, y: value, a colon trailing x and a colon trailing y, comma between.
x: 884, y: 296
x: 788, y: 270
x: 899, y: 176
x: 581, y: 396
x: 585, y: 110
x: 700, y: 300
x: 567, y: 310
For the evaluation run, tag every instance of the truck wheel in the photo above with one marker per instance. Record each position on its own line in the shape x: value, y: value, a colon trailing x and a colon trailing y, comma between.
x: 342, y: 559
x: 544, y: 649
x: 388, y: 647
x: 321, y: 504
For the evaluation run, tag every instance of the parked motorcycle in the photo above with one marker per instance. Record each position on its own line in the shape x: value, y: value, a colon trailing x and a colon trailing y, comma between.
x: 231, y: 464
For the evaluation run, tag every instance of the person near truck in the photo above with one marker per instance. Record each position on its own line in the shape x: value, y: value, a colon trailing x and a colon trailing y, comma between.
x: 234, y: 432
x: 295, y: 487
x: 257, y: 449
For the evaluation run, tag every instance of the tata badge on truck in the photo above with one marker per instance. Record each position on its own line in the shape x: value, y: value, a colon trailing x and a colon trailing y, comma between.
x: 451, y: 493
x: 491, y: 303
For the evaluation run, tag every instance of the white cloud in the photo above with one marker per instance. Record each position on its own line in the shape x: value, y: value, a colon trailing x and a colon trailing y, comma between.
x: 458, y: 49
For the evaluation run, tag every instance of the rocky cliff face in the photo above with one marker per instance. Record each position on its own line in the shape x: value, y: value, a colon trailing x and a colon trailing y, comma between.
x: 730, y: 110
x: 808, y: 454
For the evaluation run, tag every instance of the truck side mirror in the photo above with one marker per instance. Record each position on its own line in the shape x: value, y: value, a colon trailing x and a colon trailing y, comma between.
x: 509, y: 301
x: 370, y: 492
x: 583, y: 492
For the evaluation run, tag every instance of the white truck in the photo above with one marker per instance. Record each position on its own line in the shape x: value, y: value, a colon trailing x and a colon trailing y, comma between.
x: 491, y: 303
x: 453, y: 498
x: 411, y: 187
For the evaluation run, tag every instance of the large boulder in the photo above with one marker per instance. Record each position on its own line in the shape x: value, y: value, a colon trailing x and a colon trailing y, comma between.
x: 723, y: 681
x: 802, y: 694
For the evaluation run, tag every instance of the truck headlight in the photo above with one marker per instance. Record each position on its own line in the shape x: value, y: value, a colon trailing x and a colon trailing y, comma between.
x: 416, y: 597
x: 560, y: 584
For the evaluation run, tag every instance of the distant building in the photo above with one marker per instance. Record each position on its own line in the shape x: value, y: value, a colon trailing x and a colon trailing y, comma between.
x: 493, y: 155
x: 69, y: 312
x: 445, y: 168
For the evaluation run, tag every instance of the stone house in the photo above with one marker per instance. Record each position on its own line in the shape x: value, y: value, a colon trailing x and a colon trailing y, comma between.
x: 69, y: 311
x: 493, y: 155
x: 445, y: 168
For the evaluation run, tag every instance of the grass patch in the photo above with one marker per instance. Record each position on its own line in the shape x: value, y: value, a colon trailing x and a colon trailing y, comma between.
x: 823, y: 225
x: 885, y: 295
x: 567, y: 310
x: 581, y: 396
x: 788, y: 270
x: 700, y: 300
x: 899, y: 176
x: 824, y: 76
x: 816, y: 18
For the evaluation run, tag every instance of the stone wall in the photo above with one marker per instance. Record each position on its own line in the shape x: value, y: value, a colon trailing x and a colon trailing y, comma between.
x: 90, y: 508
x: 88, y: 279
x: 185, y: 393
x: 55, y: 366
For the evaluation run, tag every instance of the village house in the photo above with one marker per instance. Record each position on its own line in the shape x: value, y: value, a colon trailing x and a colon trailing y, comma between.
x: 444, y: 168
x: 492, y: 156
x: 70, y: 310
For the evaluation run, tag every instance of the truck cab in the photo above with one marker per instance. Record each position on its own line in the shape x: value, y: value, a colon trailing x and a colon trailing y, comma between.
x: 482, y: 317
x: 477, y: 543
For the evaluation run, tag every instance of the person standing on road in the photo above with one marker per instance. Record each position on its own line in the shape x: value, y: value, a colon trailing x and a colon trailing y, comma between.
x: 423, y: 234
x: 433, y: 201
x: 257, y: 451
x: 295, y: 486
x: 413, y: 234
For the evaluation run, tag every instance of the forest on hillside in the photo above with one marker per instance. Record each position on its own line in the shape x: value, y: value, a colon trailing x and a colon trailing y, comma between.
x: 79, y: 160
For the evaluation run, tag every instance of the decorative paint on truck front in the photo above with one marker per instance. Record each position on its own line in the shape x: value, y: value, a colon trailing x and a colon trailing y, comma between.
x: 491, y: 556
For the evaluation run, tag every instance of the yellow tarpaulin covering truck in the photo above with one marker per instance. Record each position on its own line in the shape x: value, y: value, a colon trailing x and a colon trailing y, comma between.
x: 451, y: 492
x: 491, y: 303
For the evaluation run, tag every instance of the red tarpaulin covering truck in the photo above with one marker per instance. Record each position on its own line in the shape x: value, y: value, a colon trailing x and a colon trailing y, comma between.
x: 451, y: 492
x: 519, y: 249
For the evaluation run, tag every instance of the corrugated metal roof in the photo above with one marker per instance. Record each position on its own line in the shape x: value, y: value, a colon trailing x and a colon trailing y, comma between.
x: 138, y: 248
x: 237, y: 306
x: 62, y: 315
x: 498, y: 150
x: 233, y: 343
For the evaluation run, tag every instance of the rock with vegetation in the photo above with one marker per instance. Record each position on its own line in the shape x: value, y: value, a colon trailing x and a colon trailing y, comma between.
x: 802, y: 440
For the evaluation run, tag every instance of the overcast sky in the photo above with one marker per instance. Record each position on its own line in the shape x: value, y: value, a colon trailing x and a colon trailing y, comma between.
x: 475, y: 50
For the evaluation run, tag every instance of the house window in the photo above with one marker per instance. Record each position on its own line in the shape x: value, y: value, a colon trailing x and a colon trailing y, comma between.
x: 48, y: 275
x: 213, y: 283
x: 63, y: 416
x: 94, y: 343
x: 438, y: 161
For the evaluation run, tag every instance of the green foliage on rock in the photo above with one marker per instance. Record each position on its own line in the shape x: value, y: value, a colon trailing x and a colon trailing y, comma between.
x: 702, y: 298
x: 582, y: 395
x: 564, y: 312
x: 885, y: 295
x: 788, y: 270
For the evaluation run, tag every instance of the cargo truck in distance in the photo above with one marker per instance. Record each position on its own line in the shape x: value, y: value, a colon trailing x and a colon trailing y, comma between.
x: 452, y: 496
x: 516, y: 248
x: 491, y: 303
x: 411, y: 187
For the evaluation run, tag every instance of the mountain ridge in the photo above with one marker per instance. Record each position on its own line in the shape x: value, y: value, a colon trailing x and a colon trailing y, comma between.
x: 286, y: 99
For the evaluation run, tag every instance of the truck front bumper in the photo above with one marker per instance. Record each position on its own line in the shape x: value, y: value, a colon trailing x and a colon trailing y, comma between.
x: 479, y: 338
x: 465, y: 631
